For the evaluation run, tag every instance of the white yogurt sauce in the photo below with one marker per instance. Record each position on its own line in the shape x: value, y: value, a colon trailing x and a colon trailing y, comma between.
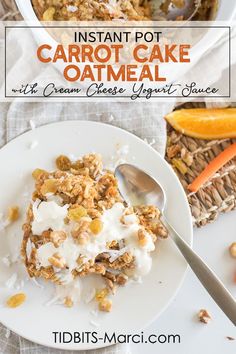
x: 50, y: 215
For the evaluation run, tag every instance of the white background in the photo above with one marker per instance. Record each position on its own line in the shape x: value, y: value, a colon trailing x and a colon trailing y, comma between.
x: 211, y: 242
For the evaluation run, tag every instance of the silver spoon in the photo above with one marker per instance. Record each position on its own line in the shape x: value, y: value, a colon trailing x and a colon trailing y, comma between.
x: 137, y: 187
x: 186, y: 12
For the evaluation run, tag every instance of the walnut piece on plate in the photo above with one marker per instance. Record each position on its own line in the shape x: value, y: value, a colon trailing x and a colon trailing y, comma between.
x: 204, y: 316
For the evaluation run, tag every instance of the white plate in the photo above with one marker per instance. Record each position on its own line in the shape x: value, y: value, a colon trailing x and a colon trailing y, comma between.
x: 134, y: 306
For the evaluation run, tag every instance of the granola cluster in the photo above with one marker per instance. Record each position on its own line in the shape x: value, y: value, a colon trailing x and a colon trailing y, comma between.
x: 85, y: 192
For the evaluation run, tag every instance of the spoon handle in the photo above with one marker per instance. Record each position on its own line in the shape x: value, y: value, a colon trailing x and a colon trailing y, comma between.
x: 206, y: 276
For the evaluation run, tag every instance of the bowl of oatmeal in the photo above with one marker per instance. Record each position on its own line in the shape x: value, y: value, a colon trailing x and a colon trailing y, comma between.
x: 108, y: 10
x: 84, y: 258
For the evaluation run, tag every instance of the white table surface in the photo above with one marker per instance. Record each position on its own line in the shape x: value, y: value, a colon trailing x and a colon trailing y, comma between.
x: 211, y: 242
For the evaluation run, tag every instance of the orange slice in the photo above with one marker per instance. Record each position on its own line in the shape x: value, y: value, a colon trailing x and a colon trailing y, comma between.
x: 204, y: 123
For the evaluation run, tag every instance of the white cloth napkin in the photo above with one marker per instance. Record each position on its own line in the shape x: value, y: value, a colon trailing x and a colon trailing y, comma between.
x: 143, y: 119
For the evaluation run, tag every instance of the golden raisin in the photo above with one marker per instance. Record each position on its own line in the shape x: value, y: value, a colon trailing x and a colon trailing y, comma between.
x: 16, y: 300
x: 63, y: 163
x: 77, y: 213
x: 96, y: 226
x: 37, y: 173
x: 101, y: 294
x: 232, y: 250
x: 49, y: 186
x: 13, y: 213
x: 48, y: 15
x: 105, y: 305
x: 68, y: 302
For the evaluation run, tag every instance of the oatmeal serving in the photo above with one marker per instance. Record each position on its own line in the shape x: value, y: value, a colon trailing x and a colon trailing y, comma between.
x: 77, y: 224
x: 87, y: 10
x: 108, y: 10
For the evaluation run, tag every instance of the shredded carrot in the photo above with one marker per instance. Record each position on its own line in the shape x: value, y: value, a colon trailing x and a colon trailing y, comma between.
x: 224, y: 157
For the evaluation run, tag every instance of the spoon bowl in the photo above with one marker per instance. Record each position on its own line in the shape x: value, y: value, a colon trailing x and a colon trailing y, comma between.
x: 137, y: 187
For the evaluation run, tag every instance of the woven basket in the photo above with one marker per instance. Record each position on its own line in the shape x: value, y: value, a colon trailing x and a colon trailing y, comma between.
x: 218, y: 195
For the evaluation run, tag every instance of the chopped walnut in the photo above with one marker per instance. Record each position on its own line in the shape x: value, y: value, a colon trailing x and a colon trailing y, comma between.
x: 232, y: 249
x: 173, y: 150
x: 186, y: 157
x: 13, y: 213
x: 57, y: 237
x: 147, y: 212
x: 80, y: 232
x: 113, y: 245
x: 94, y: 213
x: 82, y: 238
x: 110, y: 285
x: 121, y: 279
x: 161, y: 230
x: 110, y: 275
x: 57, y: 261
x: 46, y: 236
x: 204, y: 316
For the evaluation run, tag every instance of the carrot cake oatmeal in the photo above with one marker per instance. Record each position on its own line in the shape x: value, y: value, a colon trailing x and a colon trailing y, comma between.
x: 77, y: 225
x: 107, y: 10
x: 87, y: 10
